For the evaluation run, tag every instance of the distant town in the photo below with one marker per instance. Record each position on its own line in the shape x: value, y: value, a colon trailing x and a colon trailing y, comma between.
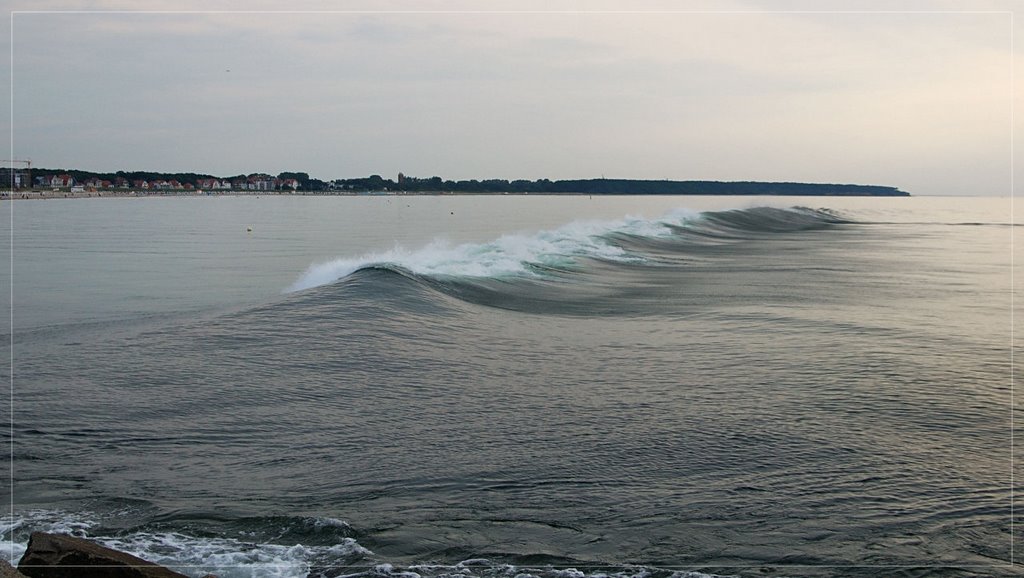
x: 26, y: 182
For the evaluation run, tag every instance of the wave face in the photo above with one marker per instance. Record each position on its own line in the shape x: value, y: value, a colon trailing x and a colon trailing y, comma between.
x: 573, y: 265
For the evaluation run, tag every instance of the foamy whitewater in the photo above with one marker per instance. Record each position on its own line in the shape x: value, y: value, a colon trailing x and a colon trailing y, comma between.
x: 187, y: 553
x: 516, y: 387
x: 524, y: 254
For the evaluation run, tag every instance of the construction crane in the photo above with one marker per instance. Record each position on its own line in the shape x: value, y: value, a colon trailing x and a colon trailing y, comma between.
x: 16, y: 174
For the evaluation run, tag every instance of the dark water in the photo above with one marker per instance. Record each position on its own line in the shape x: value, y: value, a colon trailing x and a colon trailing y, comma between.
x: 763, y: 391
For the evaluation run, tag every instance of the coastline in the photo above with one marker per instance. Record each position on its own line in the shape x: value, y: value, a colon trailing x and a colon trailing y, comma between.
x: 122, y: 194
x: 127, y: 194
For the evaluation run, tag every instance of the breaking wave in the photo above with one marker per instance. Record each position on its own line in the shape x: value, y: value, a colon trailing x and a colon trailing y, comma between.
x: 544, y: 255
x: 193, y: 555
x: 337, y: 556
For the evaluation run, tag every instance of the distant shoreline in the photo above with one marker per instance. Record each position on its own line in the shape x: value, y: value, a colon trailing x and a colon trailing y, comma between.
x: 27, y: 195
x: 76, y: 184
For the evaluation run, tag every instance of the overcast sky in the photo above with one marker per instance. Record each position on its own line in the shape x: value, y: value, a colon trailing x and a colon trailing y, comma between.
x: 712, y: 90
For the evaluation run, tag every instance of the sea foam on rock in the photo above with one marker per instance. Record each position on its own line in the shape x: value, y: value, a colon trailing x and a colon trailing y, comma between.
x: 60, y: 556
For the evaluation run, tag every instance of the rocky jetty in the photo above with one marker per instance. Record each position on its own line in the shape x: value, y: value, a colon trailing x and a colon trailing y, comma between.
x: 60, y: 556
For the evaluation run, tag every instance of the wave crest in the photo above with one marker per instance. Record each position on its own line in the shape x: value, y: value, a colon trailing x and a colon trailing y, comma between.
x: 536, y: 255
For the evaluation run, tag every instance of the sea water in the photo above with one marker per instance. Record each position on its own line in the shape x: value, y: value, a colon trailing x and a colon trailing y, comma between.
x: 497, y: 386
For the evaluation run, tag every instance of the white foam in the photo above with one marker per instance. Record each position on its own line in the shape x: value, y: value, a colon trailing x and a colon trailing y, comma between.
x: 389, y: 570
x: 50, y: 521
x: 190, y: 555
x: 230, y: 558
x: 484, y: 568
x: 330, y: 523
x: 510, y: 255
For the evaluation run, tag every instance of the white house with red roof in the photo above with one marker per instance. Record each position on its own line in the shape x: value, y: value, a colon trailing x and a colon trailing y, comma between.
x: 61, y: 181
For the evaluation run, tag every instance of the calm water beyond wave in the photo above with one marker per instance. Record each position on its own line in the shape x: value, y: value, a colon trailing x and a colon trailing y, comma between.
x: 556, y: 387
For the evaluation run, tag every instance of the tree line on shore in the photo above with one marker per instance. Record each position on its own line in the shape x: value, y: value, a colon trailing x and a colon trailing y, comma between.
x: 376, y: 183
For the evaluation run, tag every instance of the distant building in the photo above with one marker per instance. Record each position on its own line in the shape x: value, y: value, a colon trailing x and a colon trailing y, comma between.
x: 16, y: 177
x: 213, y: 184
x: 259, y: 182
x: 61, y: 181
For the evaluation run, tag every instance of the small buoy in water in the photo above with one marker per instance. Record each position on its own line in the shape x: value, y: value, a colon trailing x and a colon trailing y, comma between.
x: 248, y: 229
x: 453, y: 212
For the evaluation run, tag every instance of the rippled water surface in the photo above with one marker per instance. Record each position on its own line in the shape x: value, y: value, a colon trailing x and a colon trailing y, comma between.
x: 494, y: 386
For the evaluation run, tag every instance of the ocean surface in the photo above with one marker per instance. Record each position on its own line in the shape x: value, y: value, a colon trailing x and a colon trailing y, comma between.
x: 547, y: 387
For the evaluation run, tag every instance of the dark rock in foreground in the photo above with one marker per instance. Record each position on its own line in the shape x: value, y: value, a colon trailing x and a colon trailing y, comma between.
x: 8, y: 571
x: 59, y: 556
